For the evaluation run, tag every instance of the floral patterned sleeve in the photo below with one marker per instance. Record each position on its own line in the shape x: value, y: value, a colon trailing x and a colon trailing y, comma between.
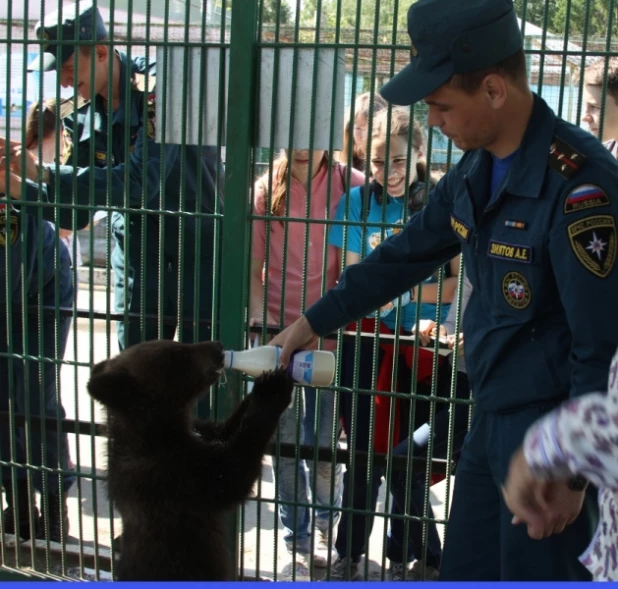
x: 580, y: 437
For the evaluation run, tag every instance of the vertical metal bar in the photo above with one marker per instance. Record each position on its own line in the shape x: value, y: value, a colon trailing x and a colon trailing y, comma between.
x: 243, y: 54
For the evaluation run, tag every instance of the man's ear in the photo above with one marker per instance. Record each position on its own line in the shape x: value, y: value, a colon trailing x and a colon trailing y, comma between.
x: 110, y: 385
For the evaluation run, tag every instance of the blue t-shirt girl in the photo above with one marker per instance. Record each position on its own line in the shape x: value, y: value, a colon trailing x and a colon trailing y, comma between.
x: 363, y: 240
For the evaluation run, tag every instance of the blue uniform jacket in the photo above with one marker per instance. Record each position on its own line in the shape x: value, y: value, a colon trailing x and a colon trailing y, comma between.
x: 129, y: 169
x: 541, y: 323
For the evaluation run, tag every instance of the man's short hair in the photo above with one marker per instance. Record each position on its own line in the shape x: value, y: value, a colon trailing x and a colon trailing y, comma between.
x: 594, y: 75
x: 513, y: 67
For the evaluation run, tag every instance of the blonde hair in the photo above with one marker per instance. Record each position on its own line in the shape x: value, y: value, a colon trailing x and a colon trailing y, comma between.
x: 42, y: 117
x: 362, y: 108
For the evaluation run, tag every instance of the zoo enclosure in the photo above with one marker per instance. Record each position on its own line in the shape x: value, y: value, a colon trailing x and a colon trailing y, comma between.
x: 229, y: 44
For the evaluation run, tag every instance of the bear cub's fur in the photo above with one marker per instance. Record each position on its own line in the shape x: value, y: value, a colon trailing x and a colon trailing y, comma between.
x: 171, y: 477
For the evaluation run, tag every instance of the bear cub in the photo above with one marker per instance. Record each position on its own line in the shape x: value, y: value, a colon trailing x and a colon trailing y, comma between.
x: 172, y: 477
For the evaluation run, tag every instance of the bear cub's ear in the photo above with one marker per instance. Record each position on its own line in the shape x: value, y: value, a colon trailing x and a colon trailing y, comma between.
x: 110, y: 385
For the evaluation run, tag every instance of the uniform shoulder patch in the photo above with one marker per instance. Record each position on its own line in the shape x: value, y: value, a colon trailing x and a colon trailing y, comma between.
x: 585, y: 196
x: 68, y: 147
x: 593, y: 241
x: 143, y: 83
x: 460, y: 228
x: 564, y: 159
x: 68, y: 106
x: 9, y: 226
x: 152, y: 115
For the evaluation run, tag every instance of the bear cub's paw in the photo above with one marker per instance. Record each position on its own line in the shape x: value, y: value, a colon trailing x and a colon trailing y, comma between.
x: 275, y: 385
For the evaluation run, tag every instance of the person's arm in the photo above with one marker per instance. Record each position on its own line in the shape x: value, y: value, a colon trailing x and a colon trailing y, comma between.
x: 582, y: 252
x: 348, y: 209
x: 583, y: 249
x: 563, y: 451
x: 466, y: 291
x: 396, y: 265
x: 258, y: 254
x: 123, y: 184
x: 429, y: 292
x: 256, y: 304
x: 578, y: 438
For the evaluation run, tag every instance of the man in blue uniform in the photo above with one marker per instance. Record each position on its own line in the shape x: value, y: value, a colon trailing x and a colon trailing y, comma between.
x: 532, y: 206
x: 163, y: 264
x: 34, y: 274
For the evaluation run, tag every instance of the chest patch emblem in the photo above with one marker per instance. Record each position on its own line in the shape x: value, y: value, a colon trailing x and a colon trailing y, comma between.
x: 587, y: 196
x: 593, y: 241
x: 510, y: 251
x: 516, y: 290
x: 460, y: 228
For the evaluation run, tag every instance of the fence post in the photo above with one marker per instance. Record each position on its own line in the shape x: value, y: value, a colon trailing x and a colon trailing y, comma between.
x: 239, y: 138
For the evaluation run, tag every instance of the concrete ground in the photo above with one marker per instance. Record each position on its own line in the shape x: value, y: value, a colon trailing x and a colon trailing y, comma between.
x: 93, y: 522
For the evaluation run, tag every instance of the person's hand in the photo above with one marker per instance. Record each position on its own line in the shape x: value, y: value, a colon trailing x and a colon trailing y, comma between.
x: 297, y: 336
x: 547, y: 507
x: 19, y: 160
x: 426, y: 328
x: 451, y: 339
x: 10, y: 184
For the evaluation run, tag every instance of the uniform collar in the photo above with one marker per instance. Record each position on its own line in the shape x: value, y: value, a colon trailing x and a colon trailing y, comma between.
x: 528, y: 169
x: 92, y: 114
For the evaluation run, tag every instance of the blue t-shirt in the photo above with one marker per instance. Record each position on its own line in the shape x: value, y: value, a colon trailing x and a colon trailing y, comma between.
x: 373, y: 234
x: 499, y: 169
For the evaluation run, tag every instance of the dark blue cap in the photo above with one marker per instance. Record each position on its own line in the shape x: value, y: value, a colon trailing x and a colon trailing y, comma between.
x: 72, y: 22
x: 453, y: 37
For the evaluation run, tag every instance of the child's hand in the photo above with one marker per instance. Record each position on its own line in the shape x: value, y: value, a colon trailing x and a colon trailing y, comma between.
x: 426, y: 328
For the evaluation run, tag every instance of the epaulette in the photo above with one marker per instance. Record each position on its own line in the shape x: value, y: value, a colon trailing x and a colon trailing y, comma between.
x: 564, y: 159
x: 68, y: 106
x: 139, y: 82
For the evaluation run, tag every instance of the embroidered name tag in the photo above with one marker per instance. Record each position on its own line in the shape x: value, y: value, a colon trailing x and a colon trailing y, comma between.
x: 510, y: 251
x: 460, y: 228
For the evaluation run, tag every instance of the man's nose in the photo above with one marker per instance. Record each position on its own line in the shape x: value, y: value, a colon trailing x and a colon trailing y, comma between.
x: 66, y: 81
x: 433, y: 118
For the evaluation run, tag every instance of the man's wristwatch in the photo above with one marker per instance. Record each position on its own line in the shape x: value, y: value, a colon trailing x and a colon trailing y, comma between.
x: 578, y: 483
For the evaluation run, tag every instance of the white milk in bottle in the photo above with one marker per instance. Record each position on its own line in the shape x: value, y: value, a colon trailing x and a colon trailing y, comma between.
x: 314, y: 368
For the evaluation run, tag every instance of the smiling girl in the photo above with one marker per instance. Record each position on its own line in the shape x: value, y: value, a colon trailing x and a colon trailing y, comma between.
x: 396, y: 192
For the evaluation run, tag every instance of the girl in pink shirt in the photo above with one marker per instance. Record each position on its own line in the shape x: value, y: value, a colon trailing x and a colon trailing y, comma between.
x: 298, y: 272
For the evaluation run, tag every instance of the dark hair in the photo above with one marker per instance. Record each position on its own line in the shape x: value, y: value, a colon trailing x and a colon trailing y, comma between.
x: 594, y: 75
x: 513, y: 67
x: 42, y: 117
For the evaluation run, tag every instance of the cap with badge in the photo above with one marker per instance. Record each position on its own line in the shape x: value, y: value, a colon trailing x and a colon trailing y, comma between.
x: 453, y: 37
x: 61, y: 32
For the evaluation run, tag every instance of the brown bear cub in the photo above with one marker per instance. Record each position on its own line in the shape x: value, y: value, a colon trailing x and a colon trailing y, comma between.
x: 172, y: 477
